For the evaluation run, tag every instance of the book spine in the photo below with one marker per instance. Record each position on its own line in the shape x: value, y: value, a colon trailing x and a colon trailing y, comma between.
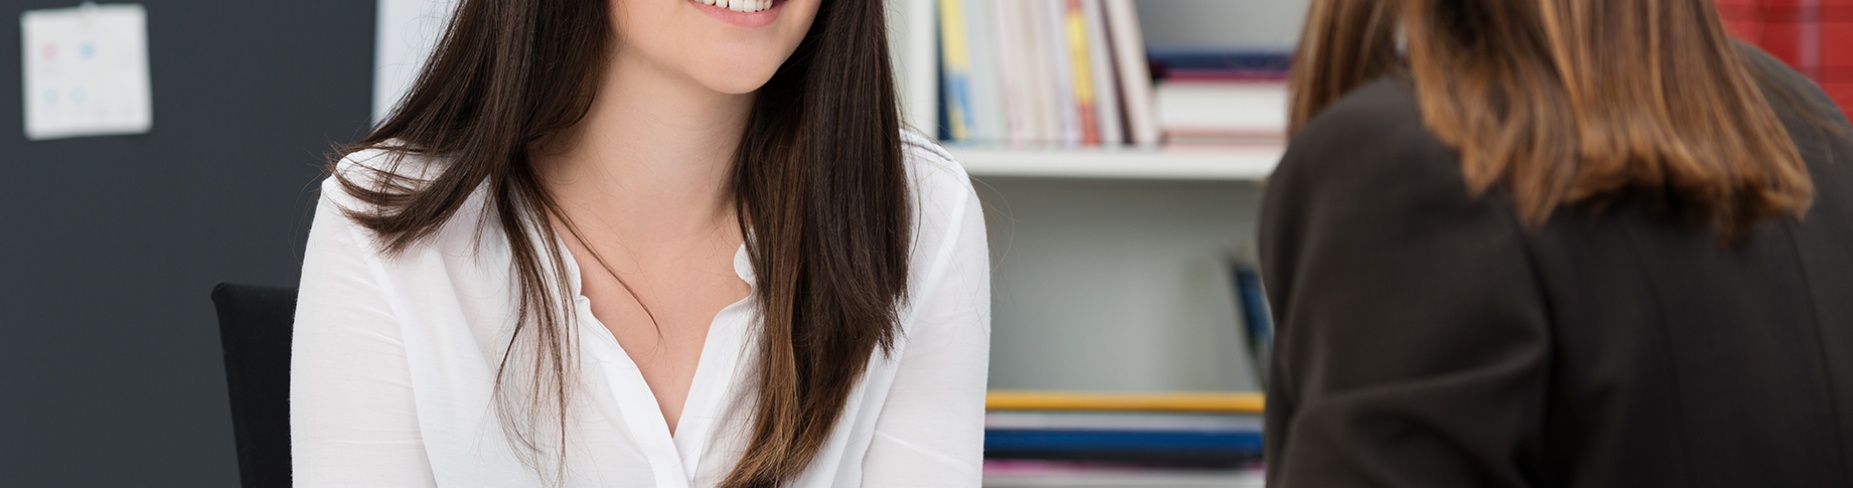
x: 1260, y: 326
x: 988, y: 119
x: 1040, y: 86
x: 1106, y: 91
x: 1074, y: 24
x: 1135, y: 76
x: 1010, y: 69
x: 955, y: 69
x: 1068, y: 121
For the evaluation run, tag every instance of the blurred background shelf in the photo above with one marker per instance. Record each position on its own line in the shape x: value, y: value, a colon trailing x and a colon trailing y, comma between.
x: 1121, y: 206
x: 1112, y: 258
x: 1220, y: 163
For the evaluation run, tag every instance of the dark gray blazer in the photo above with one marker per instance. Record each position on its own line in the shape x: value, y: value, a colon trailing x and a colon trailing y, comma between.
x: 1427, y: 340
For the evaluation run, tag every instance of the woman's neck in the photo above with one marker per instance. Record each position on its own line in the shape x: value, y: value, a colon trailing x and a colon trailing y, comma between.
x: 653, y: 156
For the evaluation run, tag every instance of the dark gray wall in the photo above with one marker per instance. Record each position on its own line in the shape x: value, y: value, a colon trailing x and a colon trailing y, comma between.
x: 110, y: 367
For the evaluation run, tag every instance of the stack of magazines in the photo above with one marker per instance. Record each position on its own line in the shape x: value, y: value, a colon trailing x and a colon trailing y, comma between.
x: 1220, y: 94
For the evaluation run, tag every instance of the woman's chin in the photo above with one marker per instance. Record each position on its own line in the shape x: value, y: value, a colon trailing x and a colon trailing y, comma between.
x: 736, y: 87
x: 735, y: 81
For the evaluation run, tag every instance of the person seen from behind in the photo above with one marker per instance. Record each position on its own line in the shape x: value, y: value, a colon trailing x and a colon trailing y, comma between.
x: 1556, y: 243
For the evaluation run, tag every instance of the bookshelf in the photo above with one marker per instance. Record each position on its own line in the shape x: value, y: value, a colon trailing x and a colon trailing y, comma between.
x: 1222, y: 163
x: 1112, y: 297
x: 1109, y: 261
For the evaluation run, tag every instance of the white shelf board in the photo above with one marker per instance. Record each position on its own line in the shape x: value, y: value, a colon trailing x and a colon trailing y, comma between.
x: 1240, y: 163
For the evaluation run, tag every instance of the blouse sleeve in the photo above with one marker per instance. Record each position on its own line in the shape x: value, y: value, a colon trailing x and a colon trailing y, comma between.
x: 1412, y: 344
x: 352, y: 421
x: 930, y: 432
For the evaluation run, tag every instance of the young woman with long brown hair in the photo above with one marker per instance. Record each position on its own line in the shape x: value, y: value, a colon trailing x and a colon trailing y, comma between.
x: 1538, y: 243
x: 645, y: 243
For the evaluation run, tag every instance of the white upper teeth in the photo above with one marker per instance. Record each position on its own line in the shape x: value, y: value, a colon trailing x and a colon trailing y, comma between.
x: 740, y: 5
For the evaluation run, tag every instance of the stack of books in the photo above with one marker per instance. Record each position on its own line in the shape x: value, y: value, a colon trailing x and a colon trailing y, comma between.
x: 1220, y: 94
x: 1122, y: 439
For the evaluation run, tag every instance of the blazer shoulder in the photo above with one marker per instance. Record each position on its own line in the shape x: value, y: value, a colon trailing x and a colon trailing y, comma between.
x: 1372, y: 135
x: 1788, y: 91
x: 1389, y: 98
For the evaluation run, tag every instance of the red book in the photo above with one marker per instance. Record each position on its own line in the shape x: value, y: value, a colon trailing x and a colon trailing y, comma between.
x: 1813, y: 36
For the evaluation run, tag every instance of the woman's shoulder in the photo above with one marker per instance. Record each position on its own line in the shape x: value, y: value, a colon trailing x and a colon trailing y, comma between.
x: 388, y: 167
x: 945, y: 203
x: 930, y: 164
x: 1373, y: 133
x: 363, y: 178
x: 1789, y: 92
x: 938, y: 182
x: 1813, y: 120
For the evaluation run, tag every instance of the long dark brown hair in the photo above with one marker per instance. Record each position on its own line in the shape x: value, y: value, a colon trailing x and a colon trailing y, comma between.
x: 1566, y: 101
x: 817, y: 179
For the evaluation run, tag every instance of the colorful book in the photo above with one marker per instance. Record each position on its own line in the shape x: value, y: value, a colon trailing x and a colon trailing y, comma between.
x: 1101, y: 71
x: 1257, y: 322
x: 1051, y: 15
x: 955, y: 70
x: 1074, y: 26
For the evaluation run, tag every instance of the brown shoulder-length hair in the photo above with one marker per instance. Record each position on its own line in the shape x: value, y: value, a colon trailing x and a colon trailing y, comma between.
x: 818, y: 179
x: 1567, y: 101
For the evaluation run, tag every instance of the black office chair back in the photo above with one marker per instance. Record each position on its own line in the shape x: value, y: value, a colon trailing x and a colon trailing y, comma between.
x: 254, y: 328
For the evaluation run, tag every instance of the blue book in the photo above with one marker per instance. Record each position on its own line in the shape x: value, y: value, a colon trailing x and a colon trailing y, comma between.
x: 1233, y: 444
x: 1257, y: 323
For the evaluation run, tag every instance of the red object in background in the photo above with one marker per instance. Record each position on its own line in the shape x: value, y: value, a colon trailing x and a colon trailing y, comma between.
x: 1814, y: 36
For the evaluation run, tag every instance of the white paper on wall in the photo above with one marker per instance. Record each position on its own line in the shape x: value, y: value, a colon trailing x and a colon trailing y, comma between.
x: 86, y: 71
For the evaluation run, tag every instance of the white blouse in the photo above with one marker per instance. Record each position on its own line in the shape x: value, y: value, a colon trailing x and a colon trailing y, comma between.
x: 394, y: 364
